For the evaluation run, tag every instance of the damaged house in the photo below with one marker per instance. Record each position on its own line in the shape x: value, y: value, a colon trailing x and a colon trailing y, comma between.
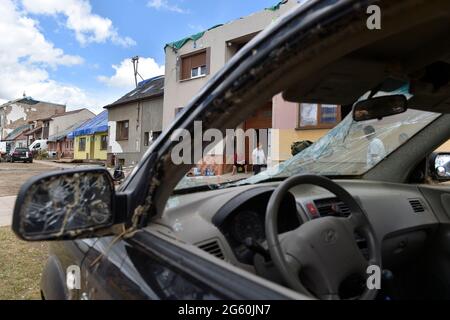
x: 61, y: 145
x: 194, y: 60
x: 91, y: 138
x: 59, y: 126
x: 54, y: 125
x: 16, y: 138
x: 16, y: 115
x: 135, y: 121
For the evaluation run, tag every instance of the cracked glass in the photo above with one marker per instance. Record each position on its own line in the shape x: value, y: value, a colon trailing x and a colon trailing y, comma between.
x: 66, y: 204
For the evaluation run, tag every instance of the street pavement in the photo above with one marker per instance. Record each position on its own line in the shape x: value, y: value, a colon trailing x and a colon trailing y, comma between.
x: 6, y: 210
x: 7, y: 202
x: 57, y: 164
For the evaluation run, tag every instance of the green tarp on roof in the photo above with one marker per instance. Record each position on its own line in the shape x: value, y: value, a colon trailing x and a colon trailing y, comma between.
x: 180, y: 43
x: 277, y: 6
x: 176, y: 45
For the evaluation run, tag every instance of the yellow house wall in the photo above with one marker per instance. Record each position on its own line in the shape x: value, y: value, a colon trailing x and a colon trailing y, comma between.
x: 282, y: 140
x: 445, y: 147
x: 77, y: 154
x: 99, y: 154
x: 83, y: 155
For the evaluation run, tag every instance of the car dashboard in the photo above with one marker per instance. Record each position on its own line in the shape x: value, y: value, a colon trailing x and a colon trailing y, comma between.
x: 230, y: 223
x: 244, y: 226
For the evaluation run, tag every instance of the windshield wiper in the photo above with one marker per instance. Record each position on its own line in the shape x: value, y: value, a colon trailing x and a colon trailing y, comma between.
x: 205, y: 187
x: 272, y: 179
x: 234, y: 184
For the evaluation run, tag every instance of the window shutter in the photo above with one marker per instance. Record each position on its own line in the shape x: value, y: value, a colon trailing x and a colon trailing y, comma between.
x: 198, y: 60
x: 186, y: 68
x: 192, y: 61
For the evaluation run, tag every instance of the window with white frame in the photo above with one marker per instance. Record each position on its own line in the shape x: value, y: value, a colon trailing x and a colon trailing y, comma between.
x: 194, y: 65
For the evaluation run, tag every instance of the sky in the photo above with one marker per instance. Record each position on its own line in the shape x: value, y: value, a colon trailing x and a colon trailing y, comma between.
x: 78, y: 52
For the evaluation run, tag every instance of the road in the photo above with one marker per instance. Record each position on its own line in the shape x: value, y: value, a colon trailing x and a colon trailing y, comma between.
x: 13, y: 175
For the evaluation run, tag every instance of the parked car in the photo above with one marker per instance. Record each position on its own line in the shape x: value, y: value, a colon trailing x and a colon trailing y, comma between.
x: 309, y: 228
x: 20, y: 154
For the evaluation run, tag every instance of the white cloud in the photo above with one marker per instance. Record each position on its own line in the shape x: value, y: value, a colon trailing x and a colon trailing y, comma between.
x: 165, y: 5
x: 25, y: 57
x: 124, y: 73
x: 88, y: 27
x: 21, y: 40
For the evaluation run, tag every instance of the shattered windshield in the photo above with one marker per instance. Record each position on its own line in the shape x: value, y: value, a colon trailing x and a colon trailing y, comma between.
x: 349, y: 149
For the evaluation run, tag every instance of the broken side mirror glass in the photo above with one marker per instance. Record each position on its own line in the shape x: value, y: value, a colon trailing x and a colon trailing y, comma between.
x: 65, y: 205
x: 379, y: 107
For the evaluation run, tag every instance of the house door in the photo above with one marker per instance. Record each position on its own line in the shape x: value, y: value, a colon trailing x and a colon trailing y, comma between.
x: 92, y: 149
x: 262, y: 119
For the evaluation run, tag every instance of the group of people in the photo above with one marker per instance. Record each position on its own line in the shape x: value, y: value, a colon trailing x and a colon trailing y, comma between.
x: 376, y: 151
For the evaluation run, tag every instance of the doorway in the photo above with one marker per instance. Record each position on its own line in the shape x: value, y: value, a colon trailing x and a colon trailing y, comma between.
x: 261, y: 119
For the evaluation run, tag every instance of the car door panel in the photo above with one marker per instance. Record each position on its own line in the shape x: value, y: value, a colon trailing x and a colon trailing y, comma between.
x: 125, y: 271
x: 63, y: 254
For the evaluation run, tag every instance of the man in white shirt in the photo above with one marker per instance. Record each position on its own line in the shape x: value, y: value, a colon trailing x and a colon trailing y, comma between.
x: 258, y: 158
x: 376, y: 150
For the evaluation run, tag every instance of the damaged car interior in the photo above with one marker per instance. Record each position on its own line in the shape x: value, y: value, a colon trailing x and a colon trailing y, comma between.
x: 307, y: 228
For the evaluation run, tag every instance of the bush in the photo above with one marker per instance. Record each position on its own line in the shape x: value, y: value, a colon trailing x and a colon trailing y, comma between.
x: 41, y: 155
x: 299, y: 146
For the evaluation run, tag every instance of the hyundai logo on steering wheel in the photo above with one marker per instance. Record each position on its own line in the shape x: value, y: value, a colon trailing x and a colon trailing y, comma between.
x: 330, y: 236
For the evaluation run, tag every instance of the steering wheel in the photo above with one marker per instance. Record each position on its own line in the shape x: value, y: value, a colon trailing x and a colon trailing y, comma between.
x: 322, y: 252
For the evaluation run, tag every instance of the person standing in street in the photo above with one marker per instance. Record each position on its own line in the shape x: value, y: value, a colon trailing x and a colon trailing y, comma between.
x: 376, y: 150
x: 258, y: 158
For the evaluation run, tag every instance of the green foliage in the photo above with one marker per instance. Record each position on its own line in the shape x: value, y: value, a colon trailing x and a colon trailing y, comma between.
x: 299, y: 146
x: 41, y: 155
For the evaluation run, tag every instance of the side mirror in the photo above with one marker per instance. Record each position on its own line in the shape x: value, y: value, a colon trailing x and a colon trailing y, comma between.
x: 442, y: 166
x: 65, y: 205
x: 379, y: 107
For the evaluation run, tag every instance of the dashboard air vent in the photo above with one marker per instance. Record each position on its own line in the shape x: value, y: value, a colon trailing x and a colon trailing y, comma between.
x: 416, y: 205
x: 332, y: 207
x: 362, y: 245
x: 213, y: 248
x: 343, y: 209
x: 325, y: 210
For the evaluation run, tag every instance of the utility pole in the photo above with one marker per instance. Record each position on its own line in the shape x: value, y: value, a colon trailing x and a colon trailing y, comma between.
x: 135, y: 61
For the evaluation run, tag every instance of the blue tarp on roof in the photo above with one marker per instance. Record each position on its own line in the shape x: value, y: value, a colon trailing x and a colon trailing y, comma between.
x: 97, y: 124
x: 65, y: 133
x: 144, y: 82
